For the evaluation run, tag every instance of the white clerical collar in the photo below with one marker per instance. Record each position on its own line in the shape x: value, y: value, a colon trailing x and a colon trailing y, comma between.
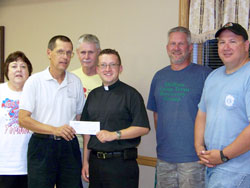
x: 106, y: 88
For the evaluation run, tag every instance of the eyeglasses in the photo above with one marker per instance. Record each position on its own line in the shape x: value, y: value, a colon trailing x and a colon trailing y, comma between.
x: 67, y: 53
x: 112, y: 65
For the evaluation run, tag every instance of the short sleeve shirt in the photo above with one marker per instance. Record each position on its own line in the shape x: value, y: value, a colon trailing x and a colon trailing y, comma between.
x: 175, y: 95
x: 50, y: 102
x: 226, y: 102
x: 117, y: 107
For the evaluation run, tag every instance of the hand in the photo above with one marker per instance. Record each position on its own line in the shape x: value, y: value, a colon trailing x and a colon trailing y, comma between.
x: 85, y: 171
x: 106, y: 136
x: 203, y: 155
x: 210, y: 158
x: 65, y: 131
x: 200, y: 151
x: 213, y: 156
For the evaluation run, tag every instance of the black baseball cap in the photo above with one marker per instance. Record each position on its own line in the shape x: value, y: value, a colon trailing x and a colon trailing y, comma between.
x: 235, y: 28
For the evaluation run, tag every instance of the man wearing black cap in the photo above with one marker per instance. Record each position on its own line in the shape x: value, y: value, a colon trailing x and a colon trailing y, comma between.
x: 222, y: 129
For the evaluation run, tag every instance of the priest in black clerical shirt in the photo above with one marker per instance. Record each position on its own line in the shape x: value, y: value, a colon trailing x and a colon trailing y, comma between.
x: 110, y: 155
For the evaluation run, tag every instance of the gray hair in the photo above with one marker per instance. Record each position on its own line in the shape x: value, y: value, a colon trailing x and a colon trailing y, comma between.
x: 182, y: 30
x: 88, y: 38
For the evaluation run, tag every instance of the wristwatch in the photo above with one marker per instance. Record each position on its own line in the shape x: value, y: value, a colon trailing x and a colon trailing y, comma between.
x: 223, y: 157
x: 119, y: 134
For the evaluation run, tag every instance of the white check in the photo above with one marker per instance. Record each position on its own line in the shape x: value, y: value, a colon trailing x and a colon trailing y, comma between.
x: 85, y: 127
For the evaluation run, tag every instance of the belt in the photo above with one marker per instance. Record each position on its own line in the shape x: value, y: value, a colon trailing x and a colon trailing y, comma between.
x: 107, y: 155
x: 48, y: 136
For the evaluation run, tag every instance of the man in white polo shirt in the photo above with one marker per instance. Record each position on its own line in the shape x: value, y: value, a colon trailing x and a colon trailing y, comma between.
x: 51, y: 99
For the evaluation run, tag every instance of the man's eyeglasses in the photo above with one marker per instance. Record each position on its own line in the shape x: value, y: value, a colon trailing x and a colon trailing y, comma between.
x: 112, y: 65
x: 62, y: 53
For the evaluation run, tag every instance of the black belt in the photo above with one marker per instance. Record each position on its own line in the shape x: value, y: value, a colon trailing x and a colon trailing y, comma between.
x: 48, y: 136
x: 107, y: 155
x: 126, y: 154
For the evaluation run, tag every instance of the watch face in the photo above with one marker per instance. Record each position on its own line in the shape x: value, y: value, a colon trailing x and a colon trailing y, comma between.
x: 224, y: 159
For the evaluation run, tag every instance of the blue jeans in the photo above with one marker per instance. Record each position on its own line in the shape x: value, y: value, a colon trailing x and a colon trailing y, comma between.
x: 180, y: 175
x: 218, y: 178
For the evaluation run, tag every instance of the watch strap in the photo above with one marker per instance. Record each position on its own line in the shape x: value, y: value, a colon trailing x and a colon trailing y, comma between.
x: 223, y: 157
x: 119, y: 134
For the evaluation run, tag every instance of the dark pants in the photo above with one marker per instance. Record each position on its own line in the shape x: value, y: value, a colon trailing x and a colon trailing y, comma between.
x: 54, y: 162
x: 13, y: 181
x: 113, y: 173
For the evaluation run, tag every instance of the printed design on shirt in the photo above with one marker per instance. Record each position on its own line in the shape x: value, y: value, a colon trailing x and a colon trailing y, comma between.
x: 173, y: 91
x: 12, y: 117
x: 229, y: 101
x: 86, y: 92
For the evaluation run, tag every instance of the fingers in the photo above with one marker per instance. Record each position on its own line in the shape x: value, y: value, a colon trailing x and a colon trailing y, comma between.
x: 210, y: 165
x: 85, y: 174
x: 65, y: 131
x: 105, y: 136
x: 100, y: 137
x: 207, y: 164
x: 204, y: 161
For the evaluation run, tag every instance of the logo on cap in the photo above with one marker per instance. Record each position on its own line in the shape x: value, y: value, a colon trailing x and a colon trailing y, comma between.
x: 229, y: 24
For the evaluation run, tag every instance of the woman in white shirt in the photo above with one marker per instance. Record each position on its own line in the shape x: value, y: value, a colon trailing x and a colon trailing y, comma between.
x: 13, y: 138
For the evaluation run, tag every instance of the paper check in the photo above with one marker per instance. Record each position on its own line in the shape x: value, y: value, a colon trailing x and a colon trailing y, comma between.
x: 85, y: 127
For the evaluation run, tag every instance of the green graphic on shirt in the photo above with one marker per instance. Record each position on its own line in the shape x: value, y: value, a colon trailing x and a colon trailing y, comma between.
x: 172, y: 91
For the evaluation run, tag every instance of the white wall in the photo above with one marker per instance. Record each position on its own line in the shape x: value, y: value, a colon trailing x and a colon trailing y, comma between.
x: 136, y: 28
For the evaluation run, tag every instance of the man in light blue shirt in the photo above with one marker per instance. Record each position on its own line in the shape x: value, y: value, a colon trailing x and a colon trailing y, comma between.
x: 222, y: 130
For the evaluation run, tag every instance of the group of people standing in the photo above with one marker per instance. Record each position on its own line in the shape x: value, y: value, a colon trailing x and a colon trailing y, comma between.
x: 201, y: 118
x: 50, y: 99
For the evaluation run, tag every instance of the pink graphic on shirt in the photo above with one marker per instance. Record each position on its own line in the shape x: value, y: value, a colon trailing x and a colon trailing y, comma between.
x: 13, y: 125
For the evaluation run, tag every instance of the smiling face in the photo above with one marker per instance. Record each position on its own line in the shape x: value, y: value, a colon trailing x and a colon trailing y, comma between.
x: 232, y: 49
x: 87, y: 53
x: 18, y: 72
x: 109, y: 68
x: 60, y: 56
x: 178, y: 48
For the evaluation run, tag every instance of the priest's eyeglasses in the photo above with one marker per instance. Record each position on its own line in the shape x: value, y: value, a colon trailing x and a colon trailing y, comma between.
x: 111, y: 65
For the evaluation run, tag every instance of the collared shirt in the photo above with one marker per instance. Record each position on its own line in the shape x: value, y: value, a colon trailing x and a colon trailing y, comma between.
x: 50, y: 102
x: 117, y: 107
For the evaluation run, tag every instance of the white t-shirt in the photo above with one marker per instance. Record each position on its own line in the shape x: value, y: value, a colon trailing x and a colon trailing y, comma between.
x: 50, y: 102
x: 13, y: 138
